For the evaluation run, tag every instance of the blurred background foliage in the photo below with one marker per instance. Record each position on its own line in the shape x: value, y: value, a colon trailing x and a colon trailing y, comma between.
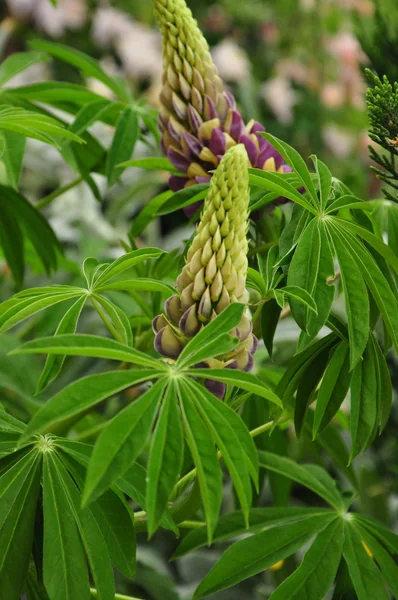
x: 295, y: 65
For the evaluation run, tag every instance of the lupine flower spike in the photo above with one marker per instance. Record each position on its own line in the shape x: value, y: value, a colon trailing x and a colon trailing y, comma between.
x: 215, y: 272
x: 198, y: 118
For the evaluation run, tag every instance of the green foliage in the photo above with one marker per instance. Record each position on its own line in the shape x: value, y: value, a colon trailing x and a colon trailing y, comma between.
x: 382, y: 102
x: 113, y: 426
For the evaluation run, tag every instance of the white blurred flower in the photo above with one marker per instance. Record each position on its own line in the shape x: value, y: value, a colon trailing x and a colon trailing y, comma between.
x: 53, y: 20
x: 231, y: 61
x: 338, y: 141
x: 280, y: 96
x: 138, y: 46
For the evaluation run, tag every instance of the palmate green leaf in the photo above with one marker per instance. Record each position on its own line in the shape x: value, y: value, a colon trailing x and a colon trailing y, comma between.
x: 255, y: 281
x: 332, y: 442
x: 385, y: 251
x: 10, y: 424
x: 165, y: 459
x: 236, y: 446
x: 384, y: 384
x: 233, y: 525
x: 355, y: 297
x: 24, y: 216
x: 365, y: 576
x: 121, y: 442
x: 348, y: 202
x: 311, y: 476
x: 126, y: 262
x: 385, y: 561
x: 54, y: 363
x: 311, y: 266
x: 148, y: 213
x: 205, y: 459
x: 34, y: 588
x: 277, y: 183
x: 82, y: 395
x: 144, y: 284
x: 134, y: 484
x: 378, y: 285
x: 300, y: 363
x: 11, y: 241
x: 333, y: 389
x: 307, y: 386
x: 13, y: 157
x: 93, y: 541
x: 220, y: 345
x: 85, y: 63
x: 293, y: 158
x: 65, y: 571
x: 20, y: 487
x: 300, y: 295
x: 18, y: 62
x: 324, y: 180
x: 316, y: 574
x: 20, y: 309
x: 114, y: 318
x: 254, y: 554
x: 151, y: 164
x: 245, y: 381
x: 270, y: 314
x: 80, y: 344
x: 363, y: 415
x: 55, y: 93
x: 97, y: 110
x: 225, y: 322
x: 380, y: 531
x: 89, y: 268
x: 123, y: 144
x: 184, y: 198
x: 35, y: 125
x: 111, y: 511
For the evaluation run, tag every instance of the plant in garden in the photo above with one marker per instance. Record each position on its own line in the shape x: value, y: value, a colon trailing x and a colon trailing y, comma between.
x: 118, y: 440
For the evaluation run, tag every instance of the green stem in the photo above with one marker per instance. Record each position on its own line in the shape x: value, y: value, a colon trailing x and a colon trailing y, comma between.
x: 191, y: 524
x: 186, y: 480
x: 261, y: 248
x: 62, y: 190
x: 94, y: 594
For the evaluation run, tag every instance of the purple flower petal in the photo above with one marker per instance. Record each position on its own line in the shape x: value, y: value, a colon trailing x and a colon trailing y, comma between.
x: 237, y: 126
x: 251, y: 148
x: 177, y: 183
x: 178, y: 160
x: 231, y: 103
x: 192, y: 209
x: 195, y: 120
x: 210, y: 111
x: 193, y: 143
x: 217, y: 142
x: 217, y: 388
x: 257, y: 127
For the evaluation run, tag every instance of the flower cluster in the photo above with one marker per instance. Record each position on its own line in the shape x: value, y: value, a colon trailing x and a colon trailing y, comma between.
x: 215, y: 272
x: 198, y: 117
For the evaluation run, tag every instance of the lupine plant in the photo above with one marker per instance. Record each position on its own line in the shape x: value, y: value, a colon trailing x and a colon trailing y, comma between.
x: 162, y: 407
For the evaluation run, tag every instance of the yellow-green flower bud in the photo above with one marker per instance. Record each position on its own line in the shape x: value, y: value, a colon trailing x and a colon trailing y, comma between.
x: 216, y: 266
